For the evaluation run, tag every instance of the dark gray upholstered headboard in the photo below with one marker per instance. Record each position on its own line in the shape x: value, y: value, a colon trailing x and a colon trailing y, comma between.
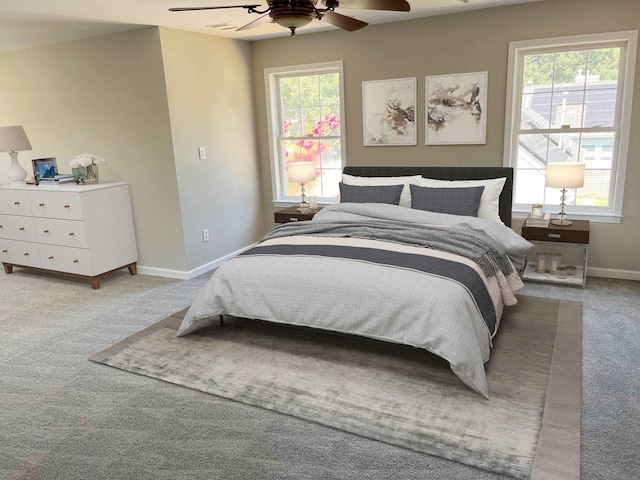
x: 449, y: 173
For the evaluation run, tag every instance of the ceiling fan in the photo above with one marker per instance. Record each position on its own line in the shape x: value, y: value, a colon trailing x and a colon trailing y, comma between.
x: 294, y: 14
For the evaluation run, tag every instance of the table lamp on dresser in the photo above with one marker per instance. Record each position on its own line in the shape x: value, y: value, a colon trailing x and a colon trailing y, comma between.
x: 12, y: 140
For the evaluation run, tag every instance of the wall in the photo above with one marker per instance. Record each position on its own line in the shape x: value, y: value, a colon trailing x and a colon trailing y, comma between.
x: 464, y: 42
x: 104, y: 95
x: 145, y: 100
x: 211, y: 105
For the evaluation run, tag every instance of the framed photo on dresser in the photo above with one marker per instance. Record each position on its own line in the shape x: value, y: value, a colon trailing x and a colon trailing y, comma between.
x: 44, y: 168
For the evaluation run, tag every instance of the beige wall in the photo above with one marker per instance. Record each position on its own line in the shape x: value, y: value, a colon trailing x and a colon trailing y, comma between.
x: 211, y: 105
x: 465, y: 42
x: 103, y: 95
x: 108, y: 95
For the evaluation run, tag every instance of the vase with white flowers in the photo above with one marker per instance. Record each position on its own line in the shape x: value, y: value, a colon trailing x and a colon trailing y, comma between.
x: 87, y: 165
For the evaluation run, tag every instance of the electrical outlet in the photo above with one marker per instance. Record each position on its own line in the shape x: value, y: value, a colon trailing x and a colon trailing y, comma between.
x: 205, y: 235
x: 202, y: 153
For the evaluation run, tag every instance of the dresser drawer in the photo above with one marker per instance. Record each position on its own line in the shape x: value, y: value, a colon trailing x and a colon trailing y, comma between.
x: 66, y: 259
x: 15, y: 202
x: 15, y: 227
x: 20, y: 253
x: 68, y: 233
x: 64, y: 205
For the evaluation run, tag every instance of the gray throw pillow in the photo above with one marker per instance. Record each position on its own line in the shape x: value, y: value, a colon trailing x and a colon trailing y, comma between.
x: 370, y: 194
x: 454, y: 201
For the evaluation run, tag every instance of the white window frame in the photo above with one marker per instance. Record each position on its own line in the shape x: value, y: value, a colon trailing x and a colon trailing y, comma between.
x: 271, y: 76
x: 627, y: 41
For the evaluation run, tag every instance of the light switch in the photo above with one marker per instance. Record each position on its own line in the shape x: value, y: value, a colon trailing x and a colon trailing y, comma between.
x: 202, y: 153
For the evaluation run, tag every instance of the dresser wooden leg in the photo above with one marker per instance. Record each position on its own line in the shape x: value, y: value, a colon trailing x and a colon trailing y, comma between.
x: 95, y: 283
x: 7, y: 268
x: 133, y: 268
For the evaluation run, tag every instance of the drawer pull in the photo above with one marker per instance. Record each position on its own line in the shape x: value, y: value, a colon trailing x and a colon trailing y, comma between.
x: 46, y: 231
x: 5, y: 251
x: 554, y: 235
x: 66, y: 206
x: 71, y: 234
x: 16, y: 203
x: 41, y: 204
x: 50, y: 258
x: 22, y: 229
x: 26, y: 254
x: 1, y: 226
x: 75, y: 261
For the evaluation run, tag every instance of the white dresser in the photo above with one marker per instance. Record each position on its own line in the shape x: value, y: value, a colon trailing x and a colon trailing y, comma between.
x: 81, y: 230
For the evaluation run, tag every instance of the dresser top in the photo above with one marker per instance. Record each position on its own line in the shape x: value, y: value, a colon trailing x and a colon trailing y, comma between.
x: 67, y: 187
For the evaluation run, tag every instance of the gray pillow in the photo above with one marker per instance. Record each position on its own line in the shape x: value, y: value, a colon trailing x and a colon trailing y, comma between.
x: 454, y: 201
x: 370, y: 194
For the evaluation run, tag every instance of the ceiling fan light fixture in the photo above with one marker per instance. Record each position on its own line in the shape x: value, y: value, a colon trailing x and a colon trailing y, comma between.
x: 293, y: 21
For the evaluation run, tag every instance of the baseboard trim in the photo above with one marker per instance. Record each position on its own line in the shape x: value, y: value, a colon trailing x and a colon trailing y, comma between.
x: 613, y: 273
x: 196, y: 272
x: 182, y: 275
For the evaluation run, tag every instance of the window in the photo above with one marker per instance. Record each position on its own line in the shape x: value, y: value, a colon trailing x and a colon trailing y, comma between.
x: 305, y: 112
x: 569, y: 99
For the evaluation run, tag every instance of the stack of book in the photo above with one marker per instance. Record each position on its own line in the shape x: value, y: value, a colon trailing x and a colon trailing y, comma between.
x: 541, y: 222
x: 57, y: 180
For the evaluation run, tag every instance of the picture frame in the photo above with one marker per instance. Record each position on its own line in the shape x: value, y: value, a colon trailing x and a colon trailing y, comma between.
x: 389, y: 112
x: 456, y: 109
x: 44, y: 168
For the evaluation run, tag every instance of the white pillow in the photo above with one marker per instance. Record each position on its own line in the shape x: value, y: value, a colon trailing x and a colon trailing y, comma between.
x: 405, y: 197
x: 489, y: 201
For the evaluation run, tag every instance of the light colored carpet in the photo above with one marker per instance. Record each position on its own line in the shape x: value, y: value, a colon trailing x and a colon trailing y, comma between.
x: 400, y: 395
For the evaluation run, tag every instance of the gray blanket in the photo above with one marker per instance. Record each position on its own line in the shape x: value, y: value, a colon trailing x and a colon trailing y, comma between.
x: 471, y: 244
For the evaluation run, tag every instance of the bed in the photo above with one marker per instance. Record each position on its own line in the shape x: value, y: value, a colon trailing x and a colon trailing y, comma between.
x: 436, y: 276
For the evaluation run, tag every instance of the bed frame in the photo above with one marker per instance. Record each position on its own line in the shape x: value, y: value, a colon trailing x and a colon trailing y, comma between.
x: 449, y: 173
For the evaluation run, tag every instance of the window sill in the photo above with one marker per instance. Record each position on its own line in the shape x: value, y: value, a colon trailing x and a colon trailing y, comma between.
x: 290, y: 203
x: 592, y: 217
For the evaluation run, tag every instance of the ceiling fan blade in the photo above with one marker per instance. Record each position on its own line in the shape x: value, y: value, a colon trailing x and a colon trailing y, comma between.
x: 393, y: 5
x: 258, y: 21
x: 190, y: 9
x: 349, y: 24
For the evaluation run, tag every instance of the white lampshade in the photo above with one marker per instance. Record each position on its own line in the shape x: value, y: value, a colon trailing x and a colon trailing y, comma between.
x: 300, y: 172
x: 565, y: 175
x: 13, y: 139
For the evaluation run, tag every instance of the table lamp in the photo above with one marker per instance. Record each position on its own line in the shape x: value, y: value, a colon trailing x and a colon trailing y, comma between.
x: 12, y: 140
x: 564, y: 175
x: 301, y: 172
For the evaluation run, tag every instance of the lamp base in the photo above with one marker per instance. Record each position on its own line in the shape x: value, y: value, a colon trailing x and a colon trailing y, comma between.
x: 303, y: 208
x: 16, y: 173
x: 562, y: 223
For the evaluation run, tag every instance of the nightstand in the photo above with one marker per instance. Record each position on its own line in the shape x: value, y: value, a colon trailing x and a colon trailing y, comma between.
x: 291, y: 214
x: 575, y: 235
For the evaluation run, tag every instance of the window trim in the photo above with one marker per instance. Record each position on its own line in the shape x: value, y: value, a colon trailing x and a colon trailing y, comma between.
x: 628, y: 41
x: 270, y: 77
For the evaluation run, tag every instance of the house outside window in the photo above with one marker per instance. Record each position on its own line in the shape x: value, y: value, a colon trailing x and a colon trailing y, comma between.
x: 569, y: 99
x: 306, y: 124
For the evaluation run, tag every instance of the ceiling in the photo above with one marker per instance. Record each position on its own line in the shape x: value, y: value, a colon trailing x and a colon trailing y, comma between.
x: 34, y: 23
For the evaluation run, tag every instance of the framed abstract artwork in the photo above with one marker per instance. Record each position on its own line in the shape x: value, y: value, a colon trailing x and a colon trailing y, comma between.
x: 456, y: 109
x: 389, y: 112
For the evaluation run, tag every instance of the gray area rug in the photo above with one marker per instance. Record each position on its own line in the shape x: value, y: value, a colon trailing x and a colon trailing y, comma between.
x: 396, y: 394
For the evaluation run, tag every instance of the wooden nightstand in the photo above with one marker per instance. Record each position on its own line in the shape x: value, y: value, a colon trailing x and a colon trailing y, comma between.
x: 292, y: 215
x: 574, y: 235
